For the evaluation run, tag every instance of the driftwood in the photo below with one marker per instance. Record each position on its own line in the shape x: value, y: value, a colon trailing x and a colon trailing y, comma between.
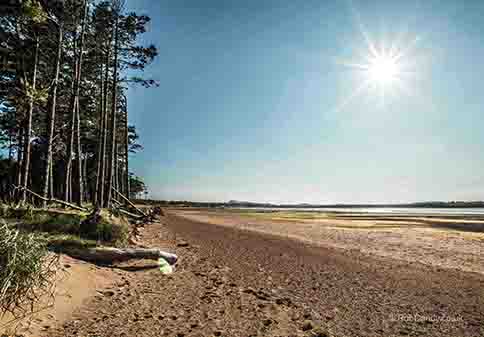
x: 108, y: 255
x: 129, y: 202
x: 158, y: 210
x: 135, y: 216
x: 64, y: 203
x: 116, y: 202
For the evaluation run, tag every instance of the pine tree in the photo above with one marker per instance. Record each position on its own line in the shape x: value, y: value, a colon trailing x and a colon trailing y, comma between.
x: 63, y: 107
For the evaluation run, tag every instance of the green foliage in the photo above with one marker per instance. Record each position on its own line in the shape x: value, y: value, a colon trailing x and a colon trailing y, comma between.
x: 38, y: 95
x: 34, y: 11
x: 39, y: 23
x: 107, y: 228
x: 11, y: 211
x: 116, y: 234
x: 133, y: 138
x: 45, y: 221
x: 58, y: 223
x: 26, y: 271
x: 6, y: 211
x: 59, y: 242
x: 136, y: 185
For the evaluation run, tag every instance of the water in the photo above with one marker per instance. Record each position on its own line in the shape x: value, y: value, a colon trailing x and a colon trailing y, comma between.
x: 380, y: 210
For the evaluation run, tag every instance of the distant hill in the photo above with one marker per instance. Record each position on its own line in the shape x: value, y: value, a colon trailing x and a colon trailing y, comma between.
x: 237, y: 203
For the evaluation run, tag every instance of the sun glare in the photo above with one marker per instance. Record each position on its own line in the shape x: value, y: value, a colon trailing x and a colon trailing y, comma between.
x: 383, y: 72
x: 383, y: 69
x: 385, y: 66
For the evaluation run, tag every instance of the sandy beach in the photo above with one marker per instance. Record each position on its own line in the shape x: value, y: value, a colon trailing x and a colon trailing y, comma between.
x: 236, y: 280
x: 445, y: 241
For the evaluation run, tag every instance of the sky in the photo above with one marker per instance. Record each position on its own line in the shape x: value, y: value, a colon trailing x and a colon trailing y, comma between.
x: 259, y: 100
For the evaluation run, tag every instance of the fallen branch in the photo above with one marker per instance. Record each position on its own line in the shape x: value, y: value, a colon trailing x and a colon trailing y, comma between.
x: 135, y: 216
x: 117, y: 202
x: 129, y: 202
x: 64, y: 203
x: 108, y: 255
x: 67, y: 204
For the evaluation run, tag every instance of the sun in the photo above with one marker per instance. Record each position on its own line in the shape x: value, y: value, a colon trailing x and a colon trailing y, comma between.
x: 383, y: 72
x: 383, y: 69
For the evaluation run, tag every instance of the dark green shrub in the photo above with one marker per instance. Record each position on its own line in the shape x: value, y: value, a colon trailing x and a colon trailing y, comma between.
x: 52, y: 222
x: 105, y: 227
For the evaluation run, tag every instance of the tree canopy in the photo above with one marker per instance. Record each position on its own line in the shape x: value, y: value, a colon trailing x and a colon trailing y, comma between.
x: 65, y: 70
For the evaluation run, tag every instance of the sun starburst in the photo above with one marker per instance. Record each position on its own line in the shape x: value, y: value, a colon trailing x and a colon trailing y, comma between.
x: 383, y: 69
x: 384, y: 66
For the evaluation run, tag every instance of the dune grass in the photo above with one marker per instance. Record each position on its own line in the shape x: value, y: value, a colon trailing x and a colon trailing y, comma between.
x: 109, y: 230
x: 29, y: 239
x: 27, y: 270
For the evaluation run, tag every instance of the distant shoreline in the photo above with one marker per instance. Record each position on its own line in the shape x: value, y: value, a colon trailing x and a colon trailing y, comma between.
x: 237, y: 204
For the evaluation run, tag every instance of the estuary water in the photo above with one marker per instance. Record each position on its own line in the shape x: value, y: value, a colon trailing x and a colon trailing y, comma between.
x: 381, y: 210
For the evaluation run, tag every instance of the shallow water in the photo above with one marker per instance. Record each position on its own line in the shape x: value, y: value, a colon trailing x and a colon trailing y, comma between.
x: 381, y: 210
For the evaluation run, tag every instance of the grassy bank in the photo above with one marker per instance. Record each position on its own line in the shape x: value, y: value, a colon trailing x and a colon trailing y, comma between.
x: 29, y: 237
x: 58, y: 224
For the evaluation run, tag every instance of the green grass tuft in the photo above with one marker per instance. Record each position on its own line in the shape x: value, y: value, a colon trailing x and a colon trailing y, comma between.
x: 60, y: 242
x: 108, y: 229
x: 26, y: 270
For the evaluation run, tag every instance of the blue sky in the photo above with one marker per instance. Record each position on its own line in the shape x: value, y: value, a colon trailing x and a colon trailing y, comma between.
x: 254, y: 102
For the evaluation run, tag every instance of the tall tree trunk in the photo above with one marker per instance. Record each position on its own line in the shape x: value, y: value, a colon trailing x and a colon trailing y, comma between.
x: 51, y: 180
x: 115, y: 173
x: 121, y: 179
x: 79, y: 157
x: 126, y: 151
x: 78, y: 123
x: 113, y: 115
x: 100, y: 139
x: 51, y: 118
x: 75, y: 109
x: 10, y: 148
x: 69, y: 186
x: 28, y: 127
x: 85, y: 188
x: 102, y: 174
x: 70, y: 139
x: 18, y: 180
x: 70, y: 145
